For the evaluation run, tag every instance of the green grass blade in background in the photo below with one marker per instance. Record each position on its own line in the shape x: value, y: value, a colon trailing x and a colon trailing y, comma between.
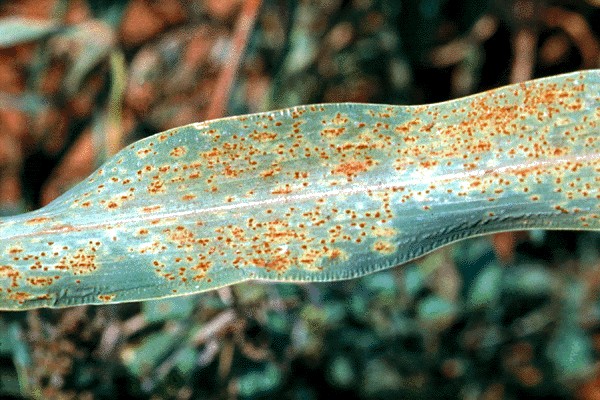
x: 312, y: 193
x: 17, y: 30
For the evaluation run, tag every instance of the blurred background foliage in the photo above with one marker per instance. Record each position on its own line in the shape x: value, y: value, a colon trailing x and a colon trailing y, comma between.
x: 513, y: 315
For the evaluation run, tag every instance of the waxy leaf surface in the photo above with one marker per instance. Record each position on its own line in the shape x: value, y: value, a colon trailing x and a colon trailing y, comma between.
x: 311, y: 193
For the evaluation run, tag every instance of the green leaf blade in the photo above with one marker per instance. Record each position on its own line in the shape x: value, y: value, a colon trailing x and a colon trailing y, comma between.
x: 312, y: 193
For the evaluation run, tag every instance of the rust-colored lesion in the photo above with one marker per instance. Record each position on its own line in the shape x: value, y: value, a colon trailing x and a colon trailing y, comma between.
x: 203, y: 265
x: 106, y: 298
x: 181, y: 236
x: 12, y: 250
x: 267, y: 173
x: 279, y: 263
x: 38, y: 220
x: 82, y: 261
x: 13, y: 274
x: 40, y: 281
x: 336, y: 254
x: 339, y: 119
x: 231, y: 172
x: 285, y: 189
x: 264, y: 136
x: 383, y: 231
x: 20, y: 297
x: 333, y: 133
x: 178, y: 151
x: 384, y: 247
x: 157, y: 186
x: 353, y: 168
x: 152, y: 209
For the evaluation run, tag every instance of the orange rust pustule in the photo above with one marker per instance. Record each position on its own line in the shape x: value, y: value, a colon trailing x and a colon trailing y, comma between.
x: 277, y: 263
x: 20, y: 297
x: 6, y: 271
x: 352, y: 168
x: 38, y: 220
x: 384, y: 247
x: 178, y: 151
x: 106, y: 298
x: 81, y: 262
x: 40, y: 281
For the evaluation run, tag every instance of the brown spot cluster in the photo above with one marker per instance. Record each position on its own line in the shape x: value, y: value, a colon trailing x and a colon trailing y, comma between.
x: 117, y: 201
x: 81, y: 261
x: 277, y: 263
x: 106, y: 298
x: 352, y: 168
x: 264, y: 136
x: 157, y: 186
x: 20, y: 297
x: 40, y: 281
x: 37, y: 220
x: 331, y: 133
x: 384, y: 247
x: 178, y: 151
x: 12, y: 250
x: 6, y: 271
